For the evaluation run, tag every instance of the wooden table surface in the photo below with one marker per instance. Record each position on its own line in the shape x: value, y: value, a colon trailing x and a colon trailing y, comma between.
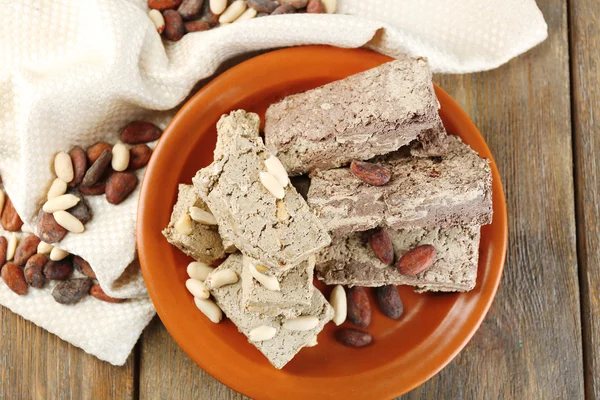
x: 541, y: 338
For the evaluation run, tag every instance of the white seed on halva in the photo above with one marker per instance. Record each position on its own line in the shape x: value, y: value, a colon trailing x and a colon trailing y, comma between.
x: 58, y: 254
x: 301, y: 323
x: 276, y: 168
x: 57, y: 188
x: 63, y: 167
x: 197, y: 288
x: 60, y: 203
x: 262, y: 333
x: 210, y: 309
x: 313, y: 342
x: 184, y: 225
x: 269, y: 282
x: 68, y: 221
x: 272, y: 184
x: 338, y: 302
x: 221, y: 278
x: 199, y: 270
x: 202, y: 216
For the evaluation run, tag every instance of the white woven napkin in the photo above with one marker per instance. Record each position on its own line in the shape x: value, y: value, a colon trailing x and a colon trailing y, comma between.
x: 75, y: 72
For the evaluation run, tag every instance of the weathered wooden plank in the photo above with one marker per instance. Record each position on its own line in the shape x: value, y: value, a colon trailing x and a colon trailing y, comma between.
x: 529, y: 346
x: 168, y: 373
x: 585, y: 58
x: 35, y: 364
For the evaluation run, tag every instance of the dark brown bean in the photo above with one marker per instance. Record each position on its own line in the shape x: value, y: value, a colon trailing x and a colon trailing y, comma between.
x: 49, y: 230
x: 162, y: 5
x: 137, y: 132
x: 190, y: 9
x: 98, y: 168
x: 381, y: 244
x: 71, y: 291
x: 97, y: 189
x: 370, y: 173
x: 81, y: 210
x: 58, y: 270
x: 297, y: 4
x: 266, y: 6
x: 3, y: 250
x: 80, y: 164
x: 96, y: 150
x: 26, y: 248
x: 14, y: 278
x: 98, y: 293
x: 34, y: 274
x: 84, y: 267
x: 284, y: 9
x: 354, y: 338
x: 359, y: 307
x: 174, y: 28
x: 196, y: 26
x: 315, y: 7
x: 119, y: 186
x: 389, y: 301
x: 139, y: 155
x: 10, y: 219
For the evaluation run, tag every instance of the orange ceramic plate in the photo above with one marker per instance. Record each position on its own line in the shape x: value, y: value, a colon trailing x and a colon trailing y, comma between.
x: 405, y: 353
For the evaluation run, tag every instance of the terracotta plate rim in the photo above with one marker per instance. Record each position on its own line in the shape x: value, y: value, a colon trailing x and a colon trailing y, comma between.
x: 146, y: 242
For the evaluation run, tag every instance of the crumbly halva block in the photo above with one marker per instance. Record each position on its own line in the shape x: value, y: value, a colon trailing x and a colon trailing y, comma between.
x: 285, y: 344
x: 350, y: 261
x: 454, y: 189
x: 371, y: 113
x: 296, y: 291
x: 245, y: 210
x: 204, y: 244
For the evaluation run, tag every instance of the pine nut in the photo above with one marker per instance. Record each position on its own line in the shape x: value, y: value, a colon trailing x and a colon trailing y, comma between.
x: 221, y: 278
x: 301, y: 323
x: 269, y: 282
x: 58, y: 254
x: 60, y: 203
x: 63, y: 167
x: 313, y: 342
x: 233, y: 11
x: 339, y: 303
x: 158, y: 20
x: 199, y: 270
x: 12, y: 247
x: 58, y: 187
x: 218, y: 6
x: 330, y: 6
x: 44, y: 248
x: 262, y: 333
x: 202, y: 216
x: 120, y: 157
x: 197, y: 288
x: 184, y: 225
x: 68, y: 221
x: 272, y: 184
x: 210, y: 309
x: 246, y: 15
x: 276, y: 168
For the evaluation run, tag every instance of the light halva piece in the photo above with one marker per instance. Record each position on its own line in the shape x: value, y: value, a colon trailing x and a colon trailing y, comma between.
x: 350, y: 261
x: 296, y: 290
x: 454, y: 189
x: 368, y: 114
x: 204, y: 243
x: 286, y: 343
x: 248, y: 214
